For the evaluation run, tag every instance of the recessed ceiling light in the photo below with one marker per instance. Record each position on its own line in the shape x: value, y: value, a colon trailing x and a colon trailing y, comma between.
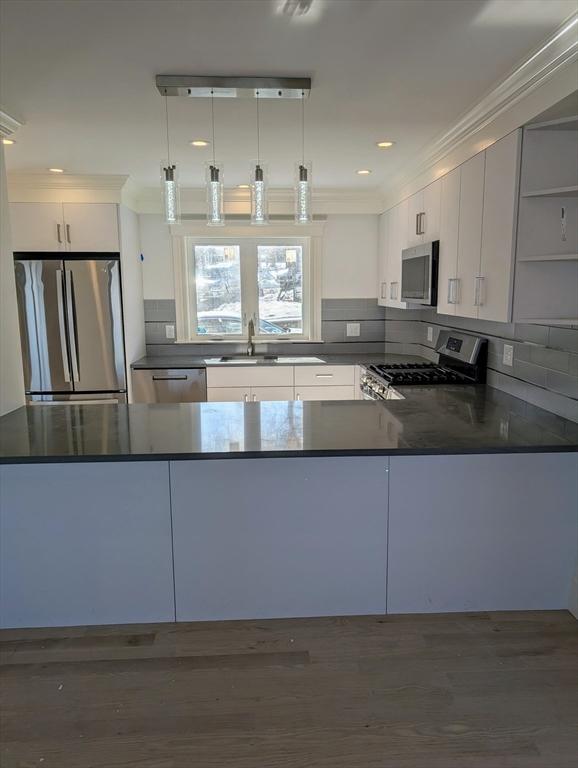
x: 199, y: 143
x: 8, y: 142
x: 242, y: 186
x: 363, y: 172
x: 56, y: 170
x: 385, y: 144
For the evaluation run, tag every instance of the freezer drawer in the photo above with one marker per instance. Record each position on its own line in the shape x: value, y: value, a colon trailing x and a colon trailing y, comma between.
x: 168, y: 385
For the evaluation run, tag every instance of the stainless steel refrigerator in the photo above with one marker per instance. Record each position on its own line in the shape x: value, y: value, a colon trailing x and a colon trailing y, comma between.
x: 70, y: 312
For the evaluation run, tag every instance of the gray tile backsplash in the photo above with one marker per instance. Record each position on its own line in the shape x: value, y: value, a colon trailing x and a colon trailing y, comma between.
x: 544, y: 373
x: 545, y: 369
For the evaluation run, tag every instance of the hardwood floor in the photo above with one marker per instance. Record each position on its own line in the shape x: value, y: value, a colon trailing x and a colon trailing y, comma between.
x: 452, y: 691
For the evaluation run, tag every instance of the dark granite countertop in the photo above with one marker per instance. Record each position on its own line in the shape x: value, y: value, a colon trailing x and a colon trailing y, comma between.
x: 431, y: 420
x: 152, y: 362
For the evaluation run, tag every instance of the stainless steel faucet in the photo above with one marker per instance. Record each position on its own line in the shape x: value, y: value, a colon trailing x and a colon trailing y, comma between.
x: 250, y: 343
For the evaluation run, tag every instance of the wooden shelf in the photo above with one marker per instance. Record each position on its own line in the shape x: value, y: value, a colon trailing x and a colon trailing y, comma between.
x: 551, y: 257
x: 562, y: 124
x: 553, y: 192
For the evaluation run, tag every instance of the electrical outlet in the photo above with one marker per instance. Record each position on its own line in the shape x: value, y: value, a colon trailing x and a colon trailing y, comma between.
x: 429, y: 333
x: 170, y: 331
x: 353, y: 329
x: 508, y: 357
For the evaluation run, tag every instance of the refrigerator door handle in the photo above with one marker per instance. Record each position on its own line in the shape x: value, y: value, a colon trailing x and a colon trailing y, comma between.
x: 71, y: 315
x: 62, y: 325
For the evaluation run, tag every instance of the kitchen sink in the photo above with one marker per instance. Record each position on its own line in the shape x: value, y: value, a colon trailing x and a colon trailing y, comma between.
x: 256, y: 359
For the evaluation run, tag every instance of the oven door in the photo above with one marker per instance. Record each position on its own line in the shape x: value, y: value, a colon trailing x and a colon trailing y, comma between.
x: 419, y: 275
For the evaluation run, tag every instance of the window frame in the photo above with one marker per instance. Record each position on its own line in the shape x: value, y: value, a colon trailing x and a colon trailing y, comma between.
x: 309, y: 238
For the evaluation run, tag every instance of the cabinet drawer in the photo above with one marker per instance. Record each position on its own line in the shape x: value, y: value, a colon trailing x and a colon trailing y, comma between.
x: 246, y: 376
x: 325, y: 393
x: 322, y: 375
x: 259, y: 394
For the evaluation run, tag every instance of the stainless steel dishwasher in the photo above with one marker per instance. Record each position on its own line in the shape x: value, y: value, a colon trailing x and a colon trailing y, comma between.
x: 169, y: 385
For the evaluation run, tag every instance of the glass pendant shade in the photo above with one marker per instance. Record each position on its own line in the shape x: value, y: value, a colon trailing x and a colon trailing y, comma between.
x: 171, y: 196
x: 303, y: 194
x: 215, y: 214
x: 259, y: 199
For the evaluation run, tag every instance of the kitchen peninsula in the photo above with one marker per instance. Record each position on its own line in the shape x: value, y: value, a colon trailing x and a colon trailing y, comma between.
x: 451, y: 499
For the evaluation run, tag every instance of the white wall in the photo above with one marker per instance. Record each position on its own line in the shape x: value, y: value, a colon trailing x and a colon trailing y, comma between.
x: 11, y: 376
x: 349, y: 257
x: 132, y: 289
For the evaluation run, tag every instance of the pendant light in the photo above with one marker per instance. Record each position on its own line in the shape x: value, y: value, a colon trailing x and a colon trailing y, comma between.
x: 303, y: 178
x: 170, y: 187
x: 215, y: 215
x: 259, y: 202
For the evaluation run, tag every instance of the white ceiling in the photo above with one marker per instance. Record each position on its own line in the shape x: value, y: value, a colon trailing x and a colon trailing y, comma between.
x: 80, y: 74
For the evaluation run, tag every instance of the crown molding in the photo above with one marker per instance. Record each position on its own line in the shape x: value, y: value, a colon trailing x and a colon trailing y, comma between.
x: 8, y: 124
x: 544, y: 62
x: 47, y: 180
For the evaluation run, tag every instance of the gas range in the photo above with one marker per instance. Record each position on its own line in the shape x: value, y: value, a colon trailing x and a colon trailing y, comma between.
x: 462, y: 360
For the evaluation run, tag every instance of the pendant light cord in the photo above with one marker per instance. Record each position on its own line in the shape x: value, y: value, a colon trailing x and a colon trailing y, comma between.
x: 213, y: 122
x: 258, y: 133
x: 167, y: 127
x: 303, y: 127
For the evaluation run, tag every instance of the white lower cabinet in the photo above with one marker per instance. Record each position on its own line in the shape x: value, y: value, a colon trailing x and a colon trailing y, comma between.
x: 325, y: 393
x: 307, y: 382
x: 85, y: 543
x: 271, y: 393
x: 280, y: 538
x: 228, y: 394
x: 482, y: 533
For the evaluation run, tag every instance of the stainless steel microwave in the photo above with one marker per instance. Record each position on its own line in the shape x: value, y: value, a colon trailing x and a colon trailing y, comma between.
x: 419, y: 274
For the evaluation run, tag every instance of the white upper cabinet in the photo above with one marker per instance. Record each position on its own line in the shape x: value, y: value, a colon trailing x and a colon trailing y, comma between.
x: 383, y: 235
x: 448, y: 281
x: 470, y: 235
x: 37, y: 227
x: 499, y: 229
x: 397, y: 241
x: 86, y: 227
x: 423, y: 215
x: 415, y: 213
x: 430, y: 221
x: 91, y: 227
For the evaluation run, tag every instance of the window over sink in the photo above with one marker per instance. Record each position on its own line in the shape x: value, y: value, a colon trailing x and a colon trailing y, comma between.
x: 230, y: 281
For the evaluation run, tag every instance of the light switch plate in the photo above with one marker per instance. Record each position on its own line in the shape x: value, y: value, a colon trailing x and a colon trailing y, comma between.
x: 508, y: 356
x: 353, y: 329
x: 170, y: 331
x: 429, y: 333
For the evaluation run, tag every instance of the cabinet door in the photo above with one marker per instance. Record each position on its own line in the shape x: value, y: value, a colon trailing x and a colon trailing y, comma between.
x: 397, y: 241
x: 448, y: 283
x: 258, y: 394
x: 499, y: 227
x: 228, y: 394
x: 415, y: 211
x: 281, y: 537
x: 482, y: 533
x: 383, y: 243
x: 37, y: 227
x: 325, y: 393
x: 430, y: 221
x: 470, y: 235
x: 91, y: 227
x: 85, y: 543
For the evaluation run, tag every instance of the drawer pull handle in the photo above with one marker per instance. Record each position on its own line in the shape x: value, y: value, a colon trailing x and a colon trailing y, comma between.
x: 323, y: 375
x: 170, y: 378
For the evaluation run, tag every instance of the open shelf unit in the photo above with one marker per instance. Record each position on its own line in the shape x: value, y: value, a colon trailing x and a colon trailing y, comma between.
x: 550, y: 257
x: 546, y: 277
x: 553, y: 192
